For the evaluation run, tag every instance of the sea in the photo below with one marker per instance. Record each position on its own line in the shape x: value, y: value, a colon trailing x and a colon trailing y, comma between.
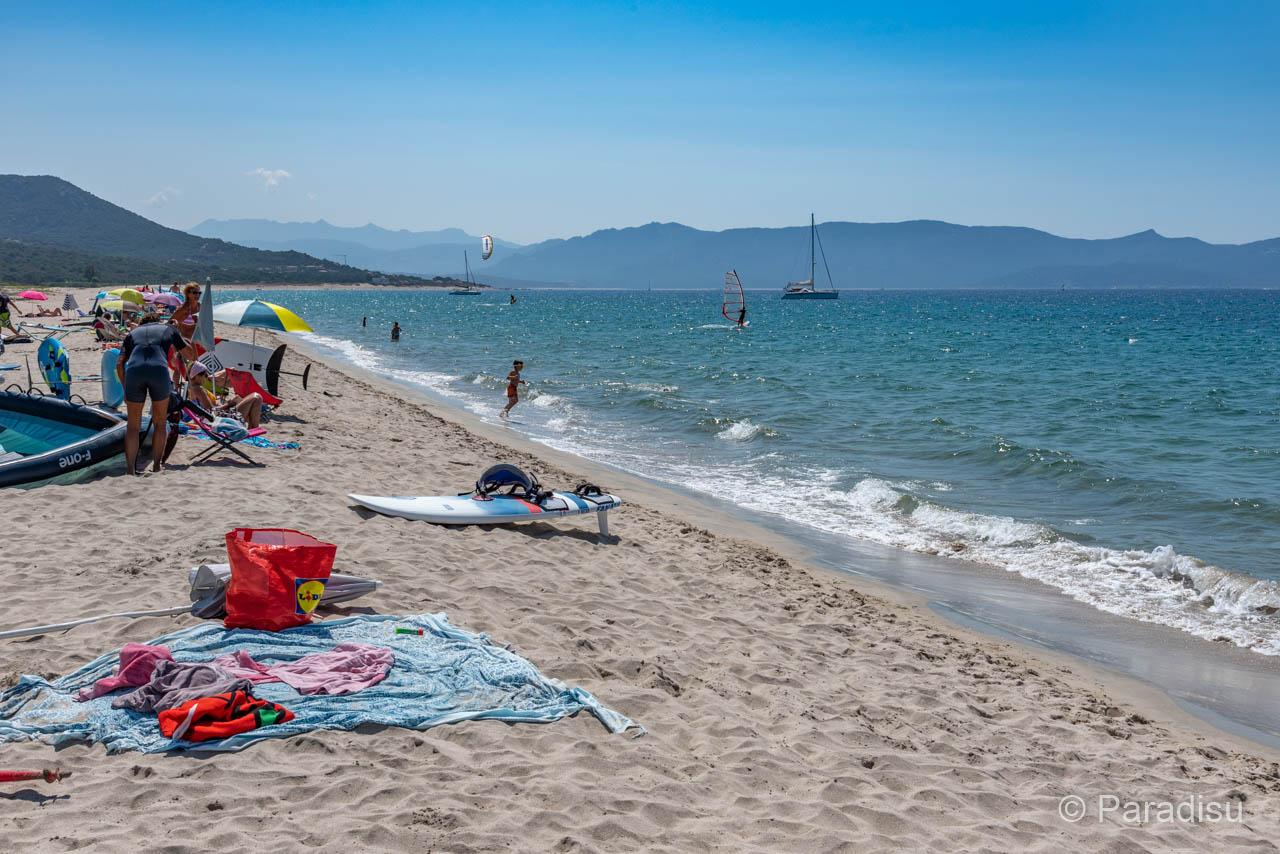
x: 1120, y: 446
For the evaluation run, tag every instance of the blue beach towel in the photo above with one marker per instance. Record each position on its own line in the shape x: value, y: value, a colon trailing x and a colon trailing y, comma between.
x: 255, y: 441
x: 443, y: 676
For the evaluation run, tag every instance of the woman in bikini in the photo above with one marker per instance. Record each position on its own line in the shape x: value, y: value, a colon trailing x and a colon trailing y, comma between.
x: 513, y: 386
x: 184, y: 317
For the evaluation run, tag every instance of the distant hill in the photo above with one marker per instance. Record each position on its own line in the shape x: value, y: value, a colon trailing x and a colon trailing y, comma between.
x: 914, y: 254
x: 425, y: 253
x: 251, y: 232
x: 52, y: 231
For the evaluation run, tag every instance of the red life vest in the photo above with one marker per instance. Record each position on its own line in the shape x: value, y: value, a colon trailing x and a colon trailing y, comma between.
x: 220, y: 716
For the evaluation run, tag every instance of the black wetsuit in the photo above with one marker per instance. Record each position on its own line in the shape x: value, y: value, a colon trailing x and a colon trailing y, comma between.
x: 146, y: 361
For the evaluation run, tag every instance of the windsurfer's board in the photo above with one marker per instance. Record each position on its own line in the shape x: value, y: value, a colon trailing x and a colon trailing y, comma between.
x: 262, y: 362
x: 498, y: 510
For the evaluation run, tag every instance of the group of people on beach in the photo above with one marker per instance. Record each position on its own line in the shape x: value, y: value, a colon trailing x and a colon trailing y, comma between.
x: 158, y: 356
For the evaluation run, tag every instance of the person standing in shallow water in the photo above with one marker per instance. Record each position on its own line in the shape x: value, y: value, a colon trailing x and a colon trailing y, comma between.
x: 395, y: 331
x: 364, y: 322
x: 513, y: 386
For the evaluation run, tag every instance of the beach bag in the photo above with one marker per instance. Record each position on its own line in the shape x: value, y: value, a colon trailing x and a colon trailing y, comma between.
x: 277, y: 577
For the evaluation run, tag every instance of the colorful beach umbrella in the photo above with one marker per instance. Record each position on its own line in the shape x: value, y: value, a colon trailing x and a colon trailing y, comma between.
x: 264, y: 315
x: 128, y: 295
x: 163, y: 298
x: 33, y: 295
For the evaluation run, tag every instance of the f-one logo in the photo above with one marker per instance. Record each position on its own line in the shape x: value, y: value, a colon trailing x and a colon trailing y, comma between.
x: 75, y: 459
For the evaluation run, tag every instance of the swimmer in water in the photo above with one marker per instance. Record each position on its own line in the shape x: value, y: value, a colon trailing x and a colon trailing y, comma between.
x: 395, y: 331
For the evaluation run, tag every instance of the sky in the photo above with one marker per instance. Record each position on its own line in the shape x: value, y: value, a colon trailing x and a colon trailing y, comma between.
x: 535, y: 120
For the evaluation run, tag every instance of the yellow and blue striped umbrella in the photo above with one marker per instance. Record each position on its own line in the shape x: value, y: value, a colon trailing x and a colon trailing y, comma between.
x: 265, y: 315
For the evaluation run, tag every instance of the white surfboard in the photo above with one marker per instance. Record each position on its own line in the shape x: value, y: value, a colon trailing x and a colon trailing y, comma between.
x: 262, y: 362
x: 496, y: 510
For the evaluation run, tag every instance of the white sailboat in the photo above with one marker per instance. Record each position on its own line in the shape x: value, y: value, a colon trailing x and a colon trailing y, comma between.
x: 808, y: 289
x: 470, y: 290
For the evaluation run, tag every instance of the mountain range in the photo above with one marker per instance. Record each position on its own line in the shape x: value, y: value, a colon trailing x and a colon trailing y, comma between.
x: 912, y: 254
x: 402, y: 251
x: 53, y: 231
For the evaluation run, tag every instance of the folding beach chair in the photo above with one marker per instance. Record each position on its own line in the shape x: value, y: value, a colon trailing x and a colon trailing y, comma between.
x: 244, y: 384
x: 203, y: 420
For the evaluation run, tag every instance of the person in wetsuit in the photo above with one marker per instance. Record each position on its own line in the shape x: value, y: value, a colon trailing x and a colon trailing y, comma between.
x: 143, y: 369
x: 742, y: 316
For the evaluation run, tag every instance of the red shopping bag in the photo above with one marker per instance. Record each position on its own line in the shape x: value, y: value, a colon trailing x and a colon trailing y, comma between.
x: 277, y: 577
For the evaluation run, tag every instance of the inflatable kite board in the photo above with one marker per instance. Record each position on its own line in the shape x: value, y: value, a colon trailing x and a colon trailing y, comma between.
x: 495, y: 510
x: 55, y: 367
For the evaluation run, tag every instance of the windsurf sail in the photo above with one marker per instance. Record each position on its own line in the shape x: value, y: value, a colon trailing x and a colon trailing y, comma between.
x: 486, y: 243
x: 734, y: 303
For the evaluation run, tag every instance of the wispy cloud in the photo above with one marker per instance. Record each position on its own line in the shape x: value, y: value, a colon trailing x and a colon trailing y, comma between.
x: 312, y: 196
x: 270, y: 177
x: 162, y: 198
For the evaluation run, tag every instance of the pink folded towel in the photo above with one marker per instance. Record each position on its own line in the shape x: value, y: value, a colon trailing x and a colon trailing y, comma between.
x: 137, y: 661
x: 347, y: 668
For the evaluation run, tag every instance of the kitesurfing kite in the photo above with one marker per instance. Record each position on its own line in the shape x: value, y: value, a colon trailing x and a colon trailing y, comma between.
x: 486, y: 243
x: 734, y: 302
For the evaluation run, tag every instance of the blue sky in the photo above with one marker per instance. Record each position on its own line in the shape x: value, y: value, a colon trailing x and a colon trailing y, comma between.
x: 535, y: 120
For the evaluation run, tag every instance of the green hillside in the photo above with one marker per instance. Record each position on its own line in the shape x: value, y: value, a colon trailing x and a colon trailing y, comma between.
x: 52, y: 232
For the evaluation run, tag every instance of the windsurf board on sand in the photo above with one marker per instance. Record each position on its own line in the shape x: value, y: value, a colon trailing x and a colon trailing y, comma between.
x: 495, y: 510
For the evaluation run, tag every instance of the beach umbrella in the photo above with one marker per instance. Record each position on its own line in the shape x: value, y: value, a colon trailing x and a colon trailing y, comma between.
x: 204, y: 319
x: 263, y: 315
x: 33, y: 295
x: 111, y: 305
x: 163, y: 298
x: 128, y: 295
x: 69, y: 303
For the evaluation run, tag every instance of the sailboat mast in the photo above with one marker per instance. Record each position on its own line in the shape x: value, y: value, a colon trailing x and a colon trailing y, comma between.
x: 467, y: 265
x: 813, y: 260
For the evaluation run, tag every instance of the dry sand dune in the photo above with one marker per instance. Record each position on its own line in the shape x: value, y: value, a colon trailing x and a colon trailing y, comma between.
x: 786, y: 710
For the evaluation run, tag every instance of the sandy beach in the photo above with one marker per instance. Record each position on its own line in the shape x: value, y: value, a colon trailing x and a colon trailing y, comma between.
x: 787, y: 708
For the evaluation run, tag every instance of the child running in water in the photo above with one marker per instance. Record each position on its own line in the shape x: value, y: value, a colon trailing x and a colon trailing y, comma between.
x: 513, y: 386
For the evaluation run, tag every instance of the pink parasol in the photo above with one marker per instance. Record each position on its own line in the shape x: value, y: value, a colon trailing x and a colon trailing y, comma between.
x: 163, y: 298
x: 35, y: 295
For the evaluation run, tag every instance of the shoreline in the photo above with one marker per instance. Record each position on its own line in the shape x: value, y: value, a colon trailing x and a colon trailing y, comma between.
x: 788, y: 706
x: 726, y: 519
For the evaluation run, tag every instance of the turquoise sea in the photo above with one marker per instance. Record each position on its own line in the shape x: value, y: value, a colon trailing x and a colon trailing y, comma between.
x: 1120, y: 446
